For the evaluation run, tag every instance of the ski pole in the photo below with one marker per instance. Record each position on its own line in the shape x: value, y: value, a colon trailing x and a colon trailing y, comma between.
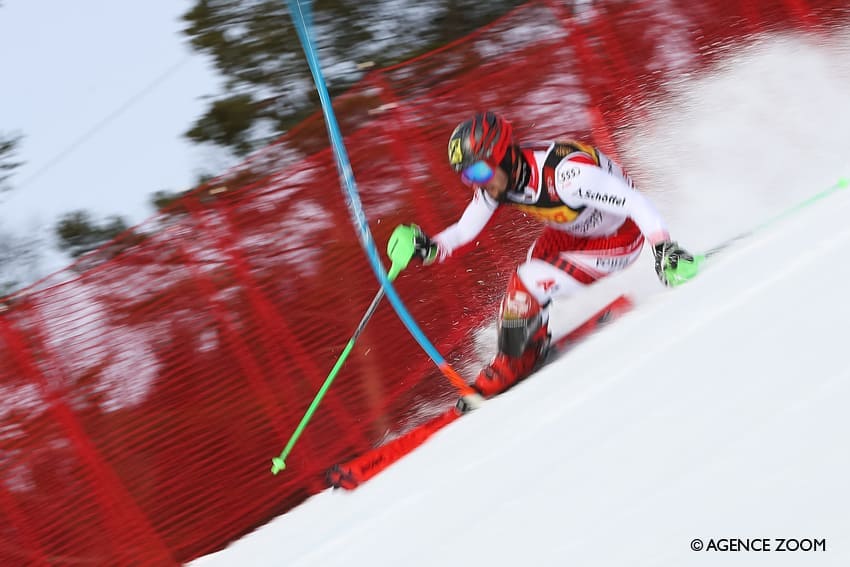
x: 687, y: 271
x: 842, y: 183
x: 279, y: 462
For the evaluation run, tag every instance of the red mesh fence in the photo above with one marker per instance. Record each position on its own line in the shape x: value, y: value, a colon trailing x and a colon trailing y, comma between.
x: 144, y: 389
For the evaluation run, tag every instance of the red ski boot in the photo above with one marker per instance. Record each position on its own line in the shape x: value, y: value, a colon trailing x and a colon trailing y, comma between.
x: 505, y: 370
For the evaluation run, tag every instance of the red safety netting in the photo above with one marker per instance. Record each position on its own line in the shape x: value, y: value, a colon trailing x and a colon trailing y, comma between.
x: 144, y: 389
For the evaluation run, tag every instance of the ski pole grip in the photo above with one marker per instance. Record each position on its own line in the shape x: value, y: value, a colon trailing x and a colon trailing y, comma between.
x: 400, y: 248
x: 395, y: 270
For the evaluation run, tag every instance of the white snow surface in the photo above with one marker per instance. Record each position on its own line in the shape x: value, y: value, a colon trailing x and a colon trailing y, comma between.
x: 717, y: 410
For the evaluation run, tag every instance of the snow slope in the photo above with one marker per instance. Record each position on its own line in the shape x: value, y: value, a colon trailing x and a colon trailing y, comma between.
x: 715, y: 410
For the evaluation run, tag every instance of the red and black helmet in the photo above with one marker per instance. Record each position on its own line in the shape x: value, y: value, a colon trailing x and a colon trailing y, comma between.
x: 485, y: 137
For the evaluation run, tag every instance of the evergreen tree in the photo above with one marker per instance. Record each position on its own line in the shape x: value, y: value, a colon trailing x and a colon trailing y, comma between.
x: 19, y: 256
x: 78, y: 233
x: 20, y: 259
x: 268, y: 88
x: 8, y: 145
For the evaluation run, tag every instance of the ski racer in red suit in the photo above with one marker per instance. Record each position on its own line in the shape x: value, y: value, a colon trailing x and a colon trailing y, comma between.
x: 596, y: 224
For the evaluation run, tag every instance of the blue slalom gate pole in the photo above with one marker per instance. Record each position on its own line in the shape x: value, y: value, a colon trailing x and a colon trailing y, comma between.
x: 302, y: 17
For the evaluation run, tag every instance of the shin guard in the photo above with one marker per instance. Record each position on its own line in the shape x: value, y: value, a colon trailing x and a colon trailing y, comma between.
x: 520, y: 318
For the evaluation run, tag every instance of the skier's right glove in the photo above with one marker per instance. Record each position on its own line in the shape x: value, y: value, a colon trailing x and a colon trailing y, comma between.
x: 408, y: 241
x: 673, y: 264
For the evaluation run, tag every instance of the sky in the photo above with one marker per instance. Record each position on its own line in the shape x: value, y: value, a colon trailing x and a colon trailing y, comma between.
x: 715, y: 411
x: 102, y: 92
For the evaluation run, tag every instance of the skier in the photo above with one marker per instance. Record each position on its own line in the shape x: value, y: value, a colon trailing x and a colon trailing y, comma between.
x: 596, y: 223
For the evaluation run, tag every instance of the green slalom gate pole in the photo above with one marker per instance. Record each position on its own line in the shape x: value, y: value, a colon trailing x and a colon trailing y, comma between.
x: 400, y: 253
x: 687, y: 270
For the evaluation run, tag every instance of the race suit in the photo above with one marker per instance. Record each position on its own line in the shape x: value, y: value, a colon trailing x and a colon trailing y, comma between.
x: 595, y: 219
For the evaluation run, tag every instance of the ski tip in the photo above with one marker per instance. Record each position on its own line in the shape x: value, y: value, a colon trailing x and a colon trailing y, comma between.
x: 843, y: 183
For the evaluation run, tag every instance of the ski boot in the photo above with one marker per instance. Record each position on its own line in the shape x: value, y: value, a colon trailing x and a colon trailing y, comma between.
x: 506, y: 370
x: 523, y: 341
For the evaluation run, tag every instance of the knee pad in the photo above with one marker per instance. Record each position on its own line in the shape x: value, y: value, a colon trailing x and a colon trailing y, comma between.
x: 520, y: 318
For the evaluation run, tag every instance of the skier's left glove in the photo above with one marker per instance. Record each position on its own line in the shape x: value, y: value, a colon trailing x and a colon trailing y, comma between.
x: 673, y: 264
x: 408, y: 241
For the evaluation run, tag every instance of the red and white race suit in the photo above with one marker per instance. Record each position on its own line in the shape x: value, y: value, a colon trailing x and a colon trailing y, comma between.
x: 595, y: 220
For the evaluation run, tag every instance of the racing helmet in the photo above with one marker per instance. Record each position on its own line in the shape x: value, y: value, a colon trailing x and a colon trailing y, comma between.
x: 483, y: 140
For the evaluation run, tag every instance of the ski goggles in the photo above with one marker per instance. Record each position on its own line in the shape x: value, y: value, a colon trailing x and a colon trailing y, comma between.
x: 478, y: 173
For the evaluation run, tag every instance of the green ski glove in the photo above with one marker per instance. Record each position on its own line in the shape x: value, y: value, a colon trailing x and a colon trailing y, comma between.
x: 675, y: 265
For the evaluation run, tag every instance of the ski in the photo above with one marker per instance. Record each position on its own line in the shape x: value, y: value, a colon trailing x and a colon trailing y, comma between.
x: 620, y: 306
x: 353, y: 473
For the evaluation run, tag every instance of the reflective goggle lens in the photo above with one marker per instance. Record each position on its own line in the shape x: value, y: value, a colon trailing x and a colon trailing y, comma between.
x: 478, y: 173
